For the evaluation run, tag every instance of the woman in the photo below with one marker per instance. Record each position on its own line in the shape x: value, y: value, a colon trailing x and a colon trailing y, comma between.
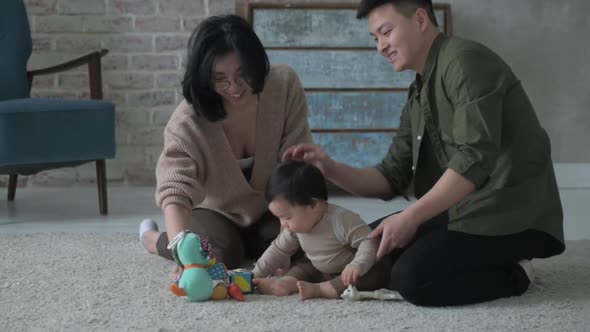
x: 239, y: 116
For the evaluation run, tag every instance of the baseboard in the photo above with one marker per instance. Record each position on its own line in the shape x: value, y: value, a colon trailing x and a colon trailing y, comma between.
x: 572, y: 175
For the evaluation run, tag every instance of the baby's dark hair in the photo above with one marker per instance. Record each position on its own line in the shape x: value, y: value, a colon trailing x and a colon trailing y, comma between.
x: 297, y: 182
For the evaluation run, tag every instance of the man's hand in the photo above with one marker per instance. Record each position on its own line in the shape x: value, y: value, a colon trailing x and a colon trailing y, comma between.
x: 396, y: 231
x: 310, y: 153
x: 350, y: 275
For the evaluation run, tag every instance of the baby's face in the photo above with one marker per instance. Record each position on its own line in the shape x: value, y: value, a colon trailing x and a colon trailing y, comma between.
x: 297, y: 219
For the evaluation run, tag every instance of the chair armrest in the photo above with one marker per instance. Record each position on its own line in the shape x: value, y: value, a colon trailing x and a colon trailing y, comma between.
x: 94, y: 71
x: 83, y: 60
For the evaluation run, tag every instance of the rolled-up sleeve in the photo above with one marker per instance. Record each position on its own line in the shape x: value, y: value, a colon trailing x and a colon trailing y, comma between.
x: 177, y: 175
x: 476, y: 84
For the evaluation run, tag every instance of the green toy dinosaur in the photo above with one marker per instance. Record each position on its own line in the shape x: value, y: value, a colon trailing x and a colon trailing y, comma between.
x: 193, y: 256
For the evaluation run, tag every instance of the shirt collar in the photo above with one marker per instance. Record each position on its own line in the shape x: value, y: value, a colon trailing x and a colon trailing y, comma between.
x: 432, y: 57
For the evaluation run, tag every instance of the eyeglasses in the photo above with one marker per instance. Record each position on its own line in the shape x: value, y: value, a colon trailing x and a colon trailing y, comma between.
x: 224, y: 85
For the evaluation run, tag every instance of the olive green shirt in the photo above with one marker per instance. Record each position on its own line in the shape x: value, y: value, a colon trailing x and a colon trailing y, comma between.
x: 477, y: 120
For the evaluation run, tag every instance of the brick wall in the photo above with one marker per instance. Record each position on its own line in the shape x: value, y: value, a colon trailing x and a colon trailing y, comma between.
x: 242, y: 4
x: 141, y: 74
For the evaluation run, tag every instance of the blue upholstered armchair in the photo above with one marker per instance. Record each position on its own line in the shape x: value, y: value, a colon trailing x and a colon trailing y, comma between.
x: 41, y: 134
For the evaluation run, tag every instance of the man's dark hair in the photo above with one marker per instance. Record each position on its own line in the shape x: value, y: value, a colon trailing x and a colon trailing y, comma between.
x: 405, y: 7
x: 297, y: 182
x: 214, y: 37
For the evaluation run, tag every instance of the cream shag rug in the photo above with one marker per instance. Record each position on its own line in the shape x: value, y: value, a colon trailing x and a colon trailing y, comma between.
x: 107, y: 282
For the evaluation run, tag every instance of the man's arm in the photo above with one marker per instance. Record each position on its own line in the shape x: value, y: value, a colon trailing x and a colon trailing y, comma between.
x: 389, y: 178
x: 367, y: 182
x: 477, y: 92
x: 449, y: 190
x: 476, y: 83
x: 397, y: 230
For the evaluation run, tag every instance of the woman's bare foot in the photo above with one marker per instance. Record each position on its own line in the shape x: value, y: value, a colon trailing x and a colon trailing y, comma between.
x: 324, y: 290
x: 278, y: 286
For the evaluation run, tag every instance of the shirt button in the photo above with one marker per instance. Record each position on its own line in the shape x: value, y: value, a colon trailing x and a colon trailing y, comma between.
x: 419, y: 138
x: 413, y: 168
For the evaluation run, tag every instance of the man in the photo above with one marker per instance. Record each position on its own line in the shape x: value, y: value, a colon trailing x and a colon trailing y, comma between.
x: 487, y: 199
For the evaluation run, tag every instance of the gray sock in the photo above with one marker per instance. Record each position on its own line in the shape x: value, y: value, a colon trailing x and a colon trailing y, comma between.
x: 147, y: 225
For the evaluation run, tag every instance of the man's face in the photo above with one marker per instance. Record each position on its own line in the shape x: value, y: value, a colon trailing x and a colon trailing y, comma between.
x: 398, y: 38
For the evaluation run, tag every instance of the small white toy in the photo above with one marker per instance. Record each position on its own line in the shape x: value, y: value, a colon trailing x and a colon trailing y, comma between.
x: 352, y: 294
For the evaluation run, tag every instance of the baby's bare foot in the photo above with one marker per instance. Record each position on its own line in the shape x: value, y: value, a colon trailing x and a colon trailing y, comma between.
x: 308, y: 290
x: 278, y: 286
x: 323, y: 290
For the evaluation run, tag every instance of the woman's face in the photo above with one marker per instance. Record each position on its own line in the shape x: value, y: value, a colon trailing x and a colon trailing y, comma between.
x: 229, y: 82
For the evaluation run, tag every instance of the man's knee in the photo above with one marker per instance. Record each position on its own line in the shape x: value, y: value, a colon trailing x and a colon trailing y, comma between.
x: 377, y: 277
x: 411, y: 282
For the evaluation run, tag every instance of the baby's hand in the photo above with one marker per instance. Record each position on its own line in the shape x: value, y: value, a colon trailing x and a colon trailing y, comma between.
x: 350, y: 275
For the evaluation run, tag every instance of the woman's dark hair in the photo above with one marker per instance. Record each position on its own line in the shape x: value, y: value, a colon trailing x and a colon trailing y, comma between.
x: 214, y: 37
x: 297, y: 182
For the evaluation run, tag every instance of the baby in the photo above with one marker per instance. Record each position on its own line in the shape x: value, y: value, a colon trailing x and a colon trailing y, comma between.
x: 334, y: 240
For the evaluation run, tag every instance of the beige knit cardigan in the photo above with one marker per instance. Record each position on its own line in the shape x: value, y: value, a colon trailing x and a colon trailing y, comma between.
x: 197, y: 168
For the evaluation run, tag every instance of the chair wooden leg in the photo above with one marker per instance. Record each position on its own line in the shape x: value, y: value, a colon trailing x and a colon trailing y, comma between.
x: 101, y: 180
x: 12, y: 186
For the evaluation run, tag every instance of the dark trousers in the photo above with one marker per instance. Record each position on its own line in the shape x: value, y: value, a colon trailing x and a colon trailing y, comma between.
x: 232, y: 244
x: 441, y: 267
